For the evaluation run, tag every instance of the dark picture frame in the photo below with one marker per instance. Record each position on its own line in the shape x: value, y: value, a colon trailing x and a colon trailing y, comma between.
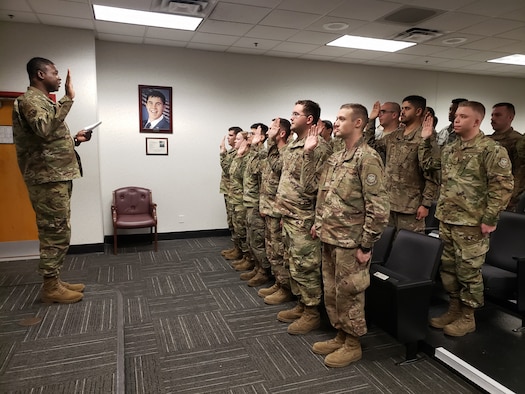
x: 157, y: 146
x: 155, y: 101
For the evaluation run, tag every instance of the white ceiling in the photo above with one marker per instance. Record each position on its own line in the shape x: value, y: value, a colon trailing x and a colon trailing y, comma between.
x: 294, y: 29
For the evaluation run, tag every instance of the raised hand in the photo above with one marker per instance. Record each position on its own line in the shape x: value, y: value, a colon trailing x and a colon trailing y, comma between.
x: 375, y: 110
x: 428, y: 126
x: 70, y: 92
x: 312, y: 138
x: 257, y: 137
x: 223, y: 144
x: 274, y: 128
x: 243, y: 148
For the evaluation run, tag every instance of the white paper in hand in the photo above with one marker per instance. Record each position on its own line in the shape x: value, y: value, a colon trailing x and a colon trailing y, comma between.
x: 92, y: 126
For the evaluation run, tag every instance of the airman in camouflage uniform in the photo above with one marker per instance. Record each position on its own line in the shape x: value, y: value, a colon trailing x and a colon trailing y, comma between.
x: 411, y: 190
x: 352, y: 211
x: 476, y: 186
x: 295, y: 199
x: 226, y: 157
x: 271, y: 173
x: 501, y: 120
x: 255, y: 225
x: 48, y: 163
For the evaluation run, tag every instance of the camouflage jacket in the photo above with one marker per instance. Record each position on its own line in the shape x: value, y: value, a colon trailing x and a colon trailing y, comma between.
x: 408, y: 185
x: 252, y: 177
x: 44, y: 147
x: 297, y: 189
x: 352, y: 202
x: 226, y: 161
x: 235, y: 192
x: 476, y: 180
x: 510, y: 139
x: 272, y: 166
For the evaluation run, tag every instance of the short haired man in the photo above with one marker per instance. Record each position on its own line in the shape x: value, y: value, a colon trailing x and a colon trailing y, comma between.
x: 295, y: 199
x: 48, y: 162
x: 473, y: 193
x: 501, y: 121
x: 388, y: 114
x: 226, y: 157
x: 155, y: 104
x: 352, y: 211
x: 447, y: 134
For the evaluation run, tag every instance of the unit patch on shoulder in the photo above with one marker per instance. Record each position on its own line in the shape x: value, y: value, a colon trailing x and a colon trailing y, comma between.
x: 371, y: 179
x: 503, y: 162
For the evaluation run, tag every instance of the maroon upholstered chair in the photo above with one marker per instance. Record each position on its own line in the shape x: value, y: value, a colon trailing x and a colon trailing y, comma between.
x: 133, y: 208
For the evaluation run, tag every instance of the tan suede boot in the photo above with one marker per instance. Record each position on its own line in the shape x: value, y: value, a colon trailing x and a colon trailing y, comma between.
x: 268, y: 290
x: 235, y: 255
x: 260, y: 279
x: 248, y: 275
x: 309, y: 320
x: 327, y: 347
x: 346, y: 354
x: 53, y: 291
x: 246, y: 265
x: 279, y: 297
x: 291, y: 315
x: 73, y: 286
x: 464, y: 325
x: 453, y: 313
x: 224, y: 252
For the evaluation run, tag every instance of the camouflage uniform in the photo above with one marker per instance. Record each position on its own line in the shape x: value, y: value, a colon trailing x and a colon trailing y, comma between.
x: 226, y: 161
x: 47, y: 161
x: 271, y: 173
x: 235, y: 198
x: 255, y: 224
x: 408, y: 185
x: 510, y: 139
x: 295, y: 199
x: 476, y: 185
x: 352, y: 210
x: 337, y: 144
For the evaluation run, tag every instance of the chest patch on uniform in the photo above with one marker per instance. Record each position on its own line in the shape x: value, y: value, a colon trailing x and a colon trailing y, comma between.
x: 371, y: 179
x: 503, y: 162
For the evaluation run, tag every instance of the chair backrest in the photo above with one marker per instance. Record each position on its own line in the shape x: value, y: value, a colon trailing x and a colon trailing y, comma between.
x: 507, y: 241
x: 431, y: 222
x: 383, y: 245
x: 520, y: 208
x: 415, y: 256
x: 132, y: 200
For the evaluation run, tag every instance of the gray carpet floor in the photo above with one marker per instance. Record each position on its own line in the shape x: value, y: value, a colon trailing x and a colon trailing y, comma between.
x: 179, y: 321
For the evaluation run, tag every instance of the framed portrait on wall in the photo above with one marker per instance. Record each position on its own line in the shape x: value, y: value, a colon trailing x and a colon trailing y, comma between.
x: 157, y: 146
x: 155, y: 109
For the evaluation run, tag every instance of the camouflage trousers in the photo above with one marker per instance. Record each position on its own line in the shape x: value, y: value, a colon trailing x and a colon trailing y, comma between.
x: 406, y: 221
x: 463, y: 255
x: 239, y: 227
x: 52, y: 205
x: 345, y: 282
x: 304, y: 258
x: 275, y: 251
x: 228, y: 213
x: 255, y: 228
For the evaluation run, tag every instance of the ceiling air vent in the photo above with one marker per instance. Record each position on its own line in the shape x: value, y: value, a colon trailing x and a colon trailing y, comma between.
x: 198, y: 8
x: 410, y: 15
x: 417, y: 34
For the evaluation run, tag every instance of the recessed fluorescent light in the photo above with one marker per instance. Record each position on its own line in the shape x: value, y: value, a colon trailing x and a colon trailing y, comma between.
x: 135, y: 17
x: 370, y: 44
x: 516, y: 59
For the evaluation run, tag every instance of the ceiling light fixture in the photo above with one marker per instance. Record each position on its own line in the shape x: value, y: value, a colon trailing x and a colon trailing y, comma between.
x: 335, y: 26
x: 370, y: 44
x: 454, y: 41
x: 135, y: 17
x: 516, y: 59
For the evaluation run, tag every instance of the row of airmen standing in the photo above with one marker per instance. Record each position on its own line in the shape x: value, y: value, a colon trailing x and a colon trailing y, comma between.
x: 307, y: 211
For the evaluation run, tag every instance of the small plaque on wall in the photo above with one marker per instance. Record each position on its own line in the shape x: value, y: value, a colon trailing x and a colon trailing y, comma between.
x: 157, y: 146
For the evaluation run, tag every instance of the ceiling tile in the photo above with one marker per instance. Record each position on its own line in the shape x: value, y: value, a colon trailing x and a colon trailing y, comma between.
x: 516, y: 34
x: 229, y: 28
x: 378, y: 30
x: 489, y: 43
x: 331, y: 51
x: 452, y: 21
x: 282, y: 18
x: 238, y: 13
x: 161, y: 42
x: 352, y: 24
x: 421, y: 50
x: 119, y: 38
x: 120, y: 28
x: 493, y: 8
x: 19, y: 16
x: 310, y: 6
x: 62, y: 8
x: 367, y: 10
x: 493, y: 27
x: 294, y: 47
x: 15, y: 5
x: 169, y: 34
x: 272, y: 33
x: 67, y: 21
x: 262, y: 44
x: 362, y: 54
x: 207, y: 47
x: 215, y: 39
x: 310, y: 37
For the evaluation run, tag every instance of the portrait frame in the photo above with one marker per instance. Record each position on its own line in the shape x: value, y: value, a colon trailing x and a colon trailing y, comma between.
x: 158, y: 96
x: 157, y: 146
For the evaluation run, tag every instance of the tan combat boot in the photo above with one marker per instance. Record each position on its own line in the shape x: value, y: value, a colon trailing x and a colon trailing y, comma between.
x: 234, y: 255
x: 309, y: 320
x: 453, y: 313
x: 224, y: 252
x: 291, y: 315
x: 246, y: 264
x: 346, y: 354
x: 330, y: 346
x: 73, y: 286
x: 260, y: 279
x: 462, y: 326
x: 281, y: 296
x: 53, y: 291
x: 268, y: 290
x: 250, y: 274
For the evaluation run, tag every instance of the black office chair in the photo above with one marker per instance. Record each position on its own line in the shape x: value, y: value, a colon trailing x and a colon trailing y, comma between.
x: 383, y: 245
x: 398, y: 298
